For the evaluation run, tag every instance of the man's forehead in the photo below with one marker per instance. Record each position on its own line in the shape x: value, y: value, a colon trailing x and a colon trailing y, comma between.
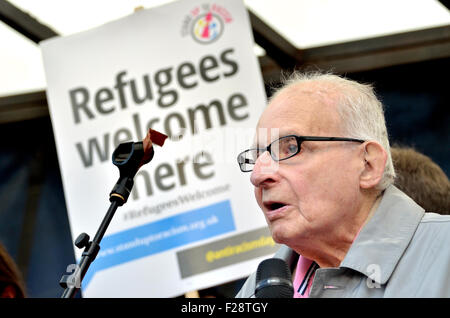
x: 326, y: 92
x: 263, y: 133
x: 296, y: 111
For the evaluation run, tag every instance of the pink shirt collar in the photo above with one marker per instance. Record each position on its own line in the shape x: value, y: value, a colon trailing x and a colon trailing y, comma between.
x: 304, y: 274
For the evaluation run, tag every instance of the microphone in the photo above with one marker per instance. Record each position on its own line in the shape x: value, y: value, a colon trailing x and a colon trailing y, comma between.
x: 134, y: 155
x: 129, y: 157
x: 273, y: 279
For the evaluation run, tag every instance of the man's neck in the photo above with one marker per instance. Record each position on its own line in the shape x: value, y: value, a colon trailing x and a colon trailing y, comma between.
x: 373, y: 209
x: 331, y: 254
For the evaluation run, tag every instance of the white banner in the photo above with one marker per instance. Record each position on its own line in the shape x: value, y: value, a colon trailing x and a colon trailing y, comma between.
x: 186, y: 69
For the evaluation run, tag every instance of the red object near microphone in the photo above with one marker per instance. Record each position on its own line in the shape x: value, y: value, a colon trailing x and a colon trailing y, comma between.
x: 155, y: 137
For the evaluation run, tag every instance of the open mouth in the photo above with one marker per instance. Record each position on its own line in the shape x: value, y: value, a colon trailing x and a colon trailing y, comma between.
x: 272, y: 206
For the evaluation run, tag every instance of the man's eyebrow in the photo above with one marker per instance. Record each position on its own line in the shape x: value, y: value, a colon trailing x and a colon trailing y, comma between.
x: 282, y: 134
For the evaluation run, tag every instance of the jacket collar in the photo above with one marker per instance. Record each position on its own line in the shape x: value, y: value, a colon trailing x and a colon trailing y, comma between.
x: 383, y: 240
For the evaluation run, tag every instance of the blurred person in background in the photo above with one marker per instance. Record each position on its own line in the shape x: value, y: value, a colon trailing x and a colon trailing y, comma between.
x: 11, y: 281
x: 421, y: 179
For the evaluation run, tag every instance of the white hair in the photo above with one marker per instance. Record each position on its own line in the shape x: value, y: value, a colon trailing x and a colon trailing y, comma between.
x: 361, y: 112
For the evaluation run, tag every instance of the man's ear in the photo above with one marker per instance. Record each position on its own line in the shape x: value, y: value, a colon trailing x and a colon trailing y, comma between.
x: 375, y: 161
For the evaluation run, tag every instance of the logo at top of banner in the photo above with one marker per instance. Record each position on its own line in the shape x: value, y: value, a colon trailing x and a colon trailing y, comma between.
x: 206, y: 23
x: 207, y: 28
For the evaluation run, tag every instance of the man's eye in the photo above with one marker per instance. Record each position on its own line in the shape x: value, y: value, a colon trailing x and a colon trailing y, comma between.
x: 292, y: 148
x: 289, y: 148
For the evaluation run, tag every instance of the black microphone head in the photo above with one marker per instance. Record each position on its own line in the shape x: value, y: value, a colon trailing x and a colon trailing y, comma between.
x: 273, y: 279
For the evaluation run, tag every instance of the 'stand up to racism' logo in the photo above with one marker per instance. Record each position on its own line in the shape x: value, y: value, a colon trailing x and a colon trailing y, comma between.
x: 207, y: 28
x: 206, y: 23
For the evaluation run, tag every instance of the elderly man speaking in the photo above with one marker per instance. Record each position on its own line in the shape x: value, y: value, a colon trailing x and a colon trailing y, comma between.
x: 323, y: 177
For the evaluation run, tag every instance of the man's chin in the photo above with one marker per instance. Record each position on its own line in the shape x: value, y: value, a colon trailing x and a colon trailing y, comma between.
x: 279, y: 233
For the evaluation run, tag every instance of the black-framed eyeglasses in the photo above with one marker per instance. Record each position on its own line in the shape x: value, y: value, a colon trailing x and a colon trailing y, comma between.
x: 281, y: 149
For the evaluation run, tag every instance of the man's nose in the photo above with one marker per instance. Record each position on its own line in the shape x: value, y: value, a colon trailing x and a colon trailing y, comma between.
x: 264, y: 171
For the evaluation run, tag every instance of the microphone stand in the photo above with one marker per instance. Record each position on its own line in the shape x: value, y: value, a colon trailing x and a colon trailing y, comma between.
x: 128, y: 158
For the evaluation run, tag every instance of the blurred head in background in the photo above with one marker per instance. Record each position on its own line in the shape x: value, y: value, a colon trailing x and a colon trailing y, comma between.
x: 11, y: 281
x: 421, y: 179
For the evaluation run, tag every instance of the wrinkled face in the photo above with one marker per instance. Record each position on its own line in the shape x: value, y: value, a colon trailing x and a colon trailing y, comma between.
x: 314, y: 195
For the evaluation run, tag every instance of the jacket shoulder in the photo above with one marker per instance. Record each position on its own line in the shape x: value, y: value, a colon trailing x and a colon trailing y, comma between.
x: 433, y: 230
x: 431, y: 217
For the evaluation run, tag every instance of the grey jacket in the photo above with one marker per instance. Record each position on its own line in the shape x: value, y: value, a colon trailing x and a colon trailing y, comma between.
x: 401, y: 252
